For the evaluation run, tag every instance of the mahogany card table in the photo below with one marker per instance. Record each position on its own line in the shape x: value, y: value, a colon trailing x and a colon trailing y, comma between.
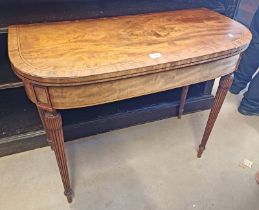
x: 83, y: 63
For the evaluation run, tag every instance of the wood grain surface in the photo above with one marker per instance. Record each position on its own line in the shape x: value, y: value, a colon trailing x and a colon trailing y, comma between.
x: 90, y: 51
x: 75, y: 96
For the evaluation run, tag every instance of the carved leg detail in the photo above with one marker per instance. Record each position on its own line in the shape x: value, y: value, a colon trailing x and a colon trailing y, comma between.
x: 53, y: 124
x: 224, y: 85
x: 182, y: 100
x: 41, y: 113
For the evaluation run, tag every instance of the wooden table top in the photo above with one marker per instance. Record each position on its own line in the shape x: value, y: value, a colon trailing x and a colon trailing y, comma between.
x: 93, y: 50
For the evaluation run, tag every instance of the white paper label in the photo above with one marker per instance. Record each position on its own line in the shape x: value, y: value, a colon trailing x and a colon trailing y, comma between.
x: 155, y: 55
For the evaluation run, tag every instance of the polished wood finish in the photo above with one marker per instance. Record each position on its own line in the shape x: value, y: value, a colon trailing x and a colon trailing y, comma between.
x: 89, y: 51
x: 83, y: 63
x: 182, y: 100
x: 224, y: 85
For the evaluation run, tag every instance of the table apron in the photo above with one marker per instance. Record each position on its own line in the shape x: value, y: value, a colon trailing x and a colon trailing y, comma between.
x: 75, y: 96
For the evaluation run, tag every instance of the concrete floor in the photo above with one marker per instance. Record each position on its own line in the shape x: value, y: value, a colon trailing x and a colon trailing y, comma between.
x: 150, y: 166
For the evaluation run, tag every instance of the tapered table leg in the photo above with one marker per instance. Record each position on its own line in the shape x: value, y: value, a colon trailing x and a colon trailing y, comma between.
x: 224, y: 85
x: 41, y: 113
x: 53, y: 123
x: 182, y: 100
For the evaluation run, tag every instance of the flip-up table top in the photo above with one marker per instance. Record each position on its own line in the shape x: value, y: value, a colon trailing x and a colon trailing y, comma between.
x: 107, y: 48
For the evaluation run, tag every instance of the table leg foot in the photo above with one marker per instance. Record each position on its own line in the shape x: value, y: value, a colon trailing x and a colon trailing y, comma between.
x: 69, y: 195
x: 200, y: 151
x: 224, y: 85
x: 53, y: 124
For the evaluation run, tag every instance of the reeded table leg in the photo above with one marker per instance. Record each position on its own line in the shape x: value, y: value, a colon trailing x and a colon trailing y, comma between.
x: 224, y: 85
x: 53, y: 123
x: 41, y: 113
x: 182, y: 100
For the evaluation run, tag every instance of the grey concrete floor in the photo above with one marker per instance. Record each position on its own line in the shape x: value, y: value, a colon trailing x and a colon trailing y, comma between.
x: 150, y: 166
